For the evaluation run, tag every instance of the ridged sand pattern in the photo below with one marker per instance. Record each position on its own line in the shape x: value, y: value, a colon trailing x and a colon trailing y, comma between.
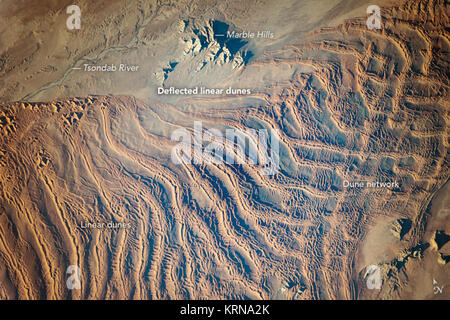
x: 374, y: 108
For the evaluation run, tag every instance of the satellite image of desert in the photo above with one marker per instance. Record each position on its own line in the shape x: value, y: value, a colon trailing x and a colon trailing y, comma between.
x: 224, y: 150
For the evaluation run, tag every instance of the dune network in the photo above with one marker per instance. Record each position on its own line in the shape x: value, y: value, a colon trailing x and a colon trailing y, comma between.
x: 256, y: 147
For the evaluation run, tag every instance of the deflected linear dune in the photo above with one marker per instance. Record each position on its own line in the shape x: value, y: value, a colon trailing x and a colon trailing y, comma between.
x: 349, y: 105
